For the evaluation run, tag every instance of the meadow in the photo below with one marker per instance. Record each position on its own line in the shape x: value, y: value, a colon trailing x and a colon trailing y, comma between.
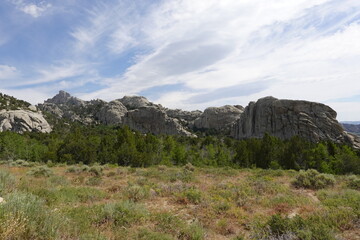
x: 59, y: 201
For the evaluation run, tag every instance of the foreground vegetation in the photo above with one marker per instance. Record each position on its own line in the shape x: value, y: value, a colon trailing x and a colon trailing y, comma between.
x: 110, y: 202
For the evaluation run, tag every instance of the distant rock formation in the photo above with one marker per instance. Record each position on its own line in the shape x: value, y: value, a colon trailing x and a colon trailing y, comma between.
x: 219, y: 118
x: 134, y: 111
x: 288, y: 118
x: 154, y: 120
x: 23, y: 121
x: 352, y: 128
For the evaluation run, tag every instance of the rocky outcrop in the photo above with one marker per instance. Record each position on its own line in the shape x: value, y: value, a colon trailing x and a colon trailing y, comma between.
x: 64, y: 98
x: 219, y: 118
x: 134, y: 111
x: 112, y: 113
x: 23, y: 121
x: 288, y: 118
x: 154, y: 120
x: 135, y: 102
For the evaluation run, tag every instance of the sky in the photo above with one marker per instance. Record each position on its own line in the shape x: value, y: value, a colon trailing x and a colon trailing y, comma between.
x: 188, y: 54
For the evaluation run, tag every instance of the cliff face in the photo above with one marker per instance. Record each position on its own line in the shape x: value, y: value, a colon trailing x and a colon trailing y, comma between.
x: 288, y: 118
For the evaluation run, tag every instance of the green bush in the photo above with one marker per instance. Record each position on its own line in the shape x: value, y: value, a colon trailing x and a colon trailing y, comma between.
x: 313, y: 179
x: 7, y: 182
x: 279, y: 227
x: 96, y: 170
x: 94, y: 181
x: 41, y: 171
x: 122, y: 214
x: 353, y: 182
x: 136, y: 193
x: 192, y: 195
x: 25, y: 216
x: 189, y: 167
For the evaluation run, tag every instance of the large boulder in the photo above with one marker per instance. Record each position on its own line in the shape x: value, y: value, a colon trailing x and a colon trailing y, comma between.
x: 219, y: 118
x: 112, y: 113
x: 153, y: 120
x: 288, y: 118
x: 135, y: 102
x: 23, y: 121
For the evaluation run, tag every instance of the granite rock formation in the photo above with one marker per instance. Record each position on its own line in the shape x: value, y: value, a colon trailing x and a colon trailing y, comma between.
x: 23, y: 121
x: 219, y: 118
x: 288, y: 118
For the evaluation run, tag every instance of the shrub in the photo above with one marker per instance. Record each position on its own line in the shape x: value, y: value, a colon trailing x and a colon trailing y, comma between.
x: 122, y: 214
x: 189, y: 167
x: 278, y: 227
x: 96, y: 170
x: 41, y: 171
x: 353, y: 182
x: 136, y: 193
x: 191, y: 195
x: 24, y: 216
x: 94, y: 181
x: 313, y: 179
x: 7, y: 182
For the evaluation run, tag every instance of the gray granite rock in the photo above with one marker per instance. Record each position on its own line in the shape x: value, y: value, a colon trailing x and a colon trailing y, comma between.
x: 23, y: 121
x: 218, y: 118
x: 288, y: 118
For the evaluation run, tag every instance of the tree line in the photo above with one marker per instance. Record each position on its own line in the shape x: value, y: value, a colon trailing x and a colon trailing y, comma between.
x: 125, y: 147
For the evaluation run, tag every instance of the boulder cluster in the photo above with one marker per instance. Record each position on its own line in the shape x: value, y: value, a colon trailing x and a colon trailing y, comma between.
x: 280, y: 118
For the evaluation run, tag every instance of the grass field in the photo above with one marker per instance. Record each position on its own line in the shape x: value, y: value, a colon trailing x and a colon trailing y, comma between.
x: 110, y: 202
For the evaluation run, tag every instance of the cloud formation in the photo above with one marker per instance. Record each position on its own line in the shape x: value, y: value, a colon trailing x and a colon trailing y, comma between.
x: 216, y: 52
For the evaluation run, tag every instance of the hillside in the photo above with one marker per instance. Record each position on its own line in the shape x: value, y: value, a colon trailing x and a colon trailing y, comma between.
x: 10, y: 103
x: 353, y: 128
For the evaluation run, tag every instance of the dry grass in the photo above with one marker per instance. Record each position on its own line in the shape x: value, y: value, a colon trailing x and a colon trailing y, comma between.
x: 208, y: 203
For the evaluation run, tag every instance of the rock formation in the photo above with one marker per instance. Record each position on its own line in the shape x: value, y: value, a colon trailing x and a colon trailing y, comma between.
x: 134, y: 111
x: 218, y: 118
x: 112, y: 113
x: 154, y: 120
x: 288, y: 118
x: 23, y: 121
x: 352, y: 128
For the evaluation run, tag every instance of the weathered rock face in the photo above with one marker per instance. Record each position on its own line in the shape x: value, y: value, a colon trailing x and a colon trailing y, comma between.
x: 188, y: 116
x: 288, y: 118
x: 135, y: 102
x: 65, y: 98
x: 112, y: 113
x: 134, y: 111
x: 218, y: 118
x: 23, y: 121
x: 154, y: 120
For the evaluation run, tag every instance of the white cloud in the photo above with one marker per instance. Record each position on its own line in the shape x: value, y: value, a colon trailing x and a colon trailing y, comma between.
x: 32, y: 9
x: 8, y: 73
x: 211, y: 45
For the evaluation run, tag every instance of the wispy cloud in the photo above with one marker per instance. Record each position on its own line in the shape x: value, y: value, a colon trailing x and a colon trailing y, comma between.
x: 217, y: 52
x: 33, y: 9
x: 8, y: 73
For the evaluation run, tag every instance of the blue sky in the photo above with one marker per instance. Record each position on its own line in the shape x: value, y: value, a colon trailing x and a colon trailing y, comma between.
x: 187, y: 54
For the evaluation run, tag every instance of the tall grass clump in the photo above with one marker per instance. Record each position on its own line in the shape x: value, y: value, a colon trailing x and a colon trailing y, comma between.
x: 313, y: 179
x: 7, y: 182
x: 25, y: 216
